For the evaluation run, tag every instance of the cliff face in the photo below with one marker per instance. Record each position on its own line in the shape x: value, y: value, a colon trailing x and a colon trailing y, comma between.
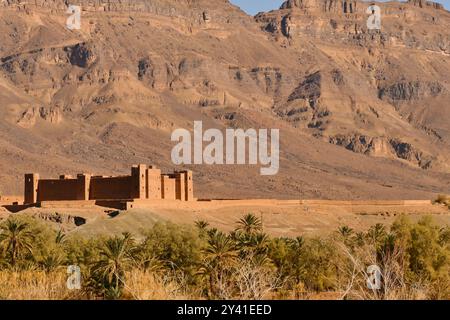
x: 161, y: 7
x: 362, y: 113
x: 392, y: 64
x: 344, y: 6
x: 346, y: 22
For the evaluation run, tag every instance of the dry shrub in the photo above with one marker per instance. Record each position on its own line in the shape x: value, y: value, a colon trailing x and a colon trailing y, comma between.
x: 255, y: 281
x: 35, y: 285
x: 145, y: 285
x: 394, y: 284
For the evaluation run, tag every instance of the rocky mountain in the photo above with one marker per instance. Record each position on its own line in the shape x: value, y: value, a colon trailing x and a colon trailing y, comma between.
x: 362, y: 113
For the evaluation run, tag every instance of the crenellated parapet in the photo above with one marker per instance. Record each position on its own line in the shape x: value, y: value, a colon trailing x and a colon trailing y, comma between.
x: 145, y: 182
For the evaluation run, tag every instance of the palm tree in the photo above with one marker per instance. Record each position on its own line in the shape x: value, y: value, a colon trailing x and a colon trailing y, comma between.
x: 52, y: 261
x: 256, y: 243
x: 377, y: 233
x: 54, y: 255
x: 359, y: 238
x: 220, y: 255
x: 202, y: 227
x: 345, y: 231
x: 16, y: 238
x: 220, y: 248
x: 298, y: 242
x: 250, y: 224
x: 115, y: 260
x: 346, y: 234
x: 389, y: 245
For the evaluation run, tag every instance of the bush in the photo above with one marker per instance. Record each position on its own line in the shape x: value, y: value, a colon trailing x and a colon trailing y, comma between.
x: 202, y: 262
x: 171, y: 246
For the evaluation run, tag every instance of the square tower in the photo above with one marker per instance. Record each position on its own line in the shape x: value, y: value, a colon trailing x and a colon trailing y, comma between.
x: 138, y: 181
x: 168, y: 187
x: 83, y: 186
x: 189, y: 185
x: 31, y: 188
x: 154, y: 183
x: 180, y: 186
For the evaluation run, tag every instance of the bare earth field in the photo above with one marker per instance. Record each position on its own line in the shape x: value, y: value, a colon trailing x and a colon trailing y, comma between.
x: 280, y: 218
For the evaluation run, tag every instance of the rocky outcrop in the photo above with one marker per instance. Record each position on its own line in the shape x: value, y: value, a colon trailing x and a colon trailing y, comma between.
x: 317, y: 5
x: 337, y: 20
x: 200, y: 11
x: 309, y: 89
x: 406, y: 151
x: 338, y: 77
x: 52, y: 114
x: 80, y: 55
x: 411, y: 90
x: 29, y: 117
x: 375, y: 146
x: 345, y: 6
x: 384, y: 147
x: 267, y: 78
x: 62, y: 219
x: 303, y: 107
x: 146, y: 71
x: 423, y: 3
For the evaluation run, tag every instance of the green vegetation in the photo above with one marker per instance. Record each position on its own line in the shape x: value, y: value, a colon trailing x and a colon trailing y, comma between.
x: 197, y: 262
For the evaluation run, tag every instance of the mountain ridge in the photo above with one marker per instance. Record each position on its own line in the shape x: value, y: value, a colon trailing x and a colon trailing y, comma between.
x: 356, y: 119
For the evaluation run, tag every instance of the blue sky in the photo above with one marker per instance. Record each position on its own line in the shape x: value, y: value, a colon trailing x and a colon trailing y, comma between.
x: 254, y: 6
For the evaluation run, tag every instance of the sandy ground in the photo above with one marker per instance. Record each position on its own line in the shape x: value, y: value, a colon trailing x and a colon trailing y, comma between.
x: 278, y: 220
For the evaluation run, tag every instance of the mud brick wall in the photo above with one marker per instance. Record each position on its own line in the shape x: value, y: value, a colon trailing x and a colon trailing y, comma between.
x: 110, y: 188
x: 53, y: 190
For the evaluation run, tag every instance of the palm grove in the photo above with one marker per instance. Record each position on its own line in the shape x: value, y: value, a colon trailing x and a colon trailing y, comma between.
x: 172, y: 261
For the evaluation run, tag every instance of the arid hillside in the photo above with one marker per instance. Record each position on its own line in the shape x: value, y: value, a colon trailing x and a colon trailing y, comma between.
x: 362, y: 113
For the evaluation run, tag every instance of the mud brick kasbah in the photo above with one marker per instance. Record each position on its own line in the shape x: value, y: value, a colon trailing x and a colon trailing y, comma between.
x: 145, y: 182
